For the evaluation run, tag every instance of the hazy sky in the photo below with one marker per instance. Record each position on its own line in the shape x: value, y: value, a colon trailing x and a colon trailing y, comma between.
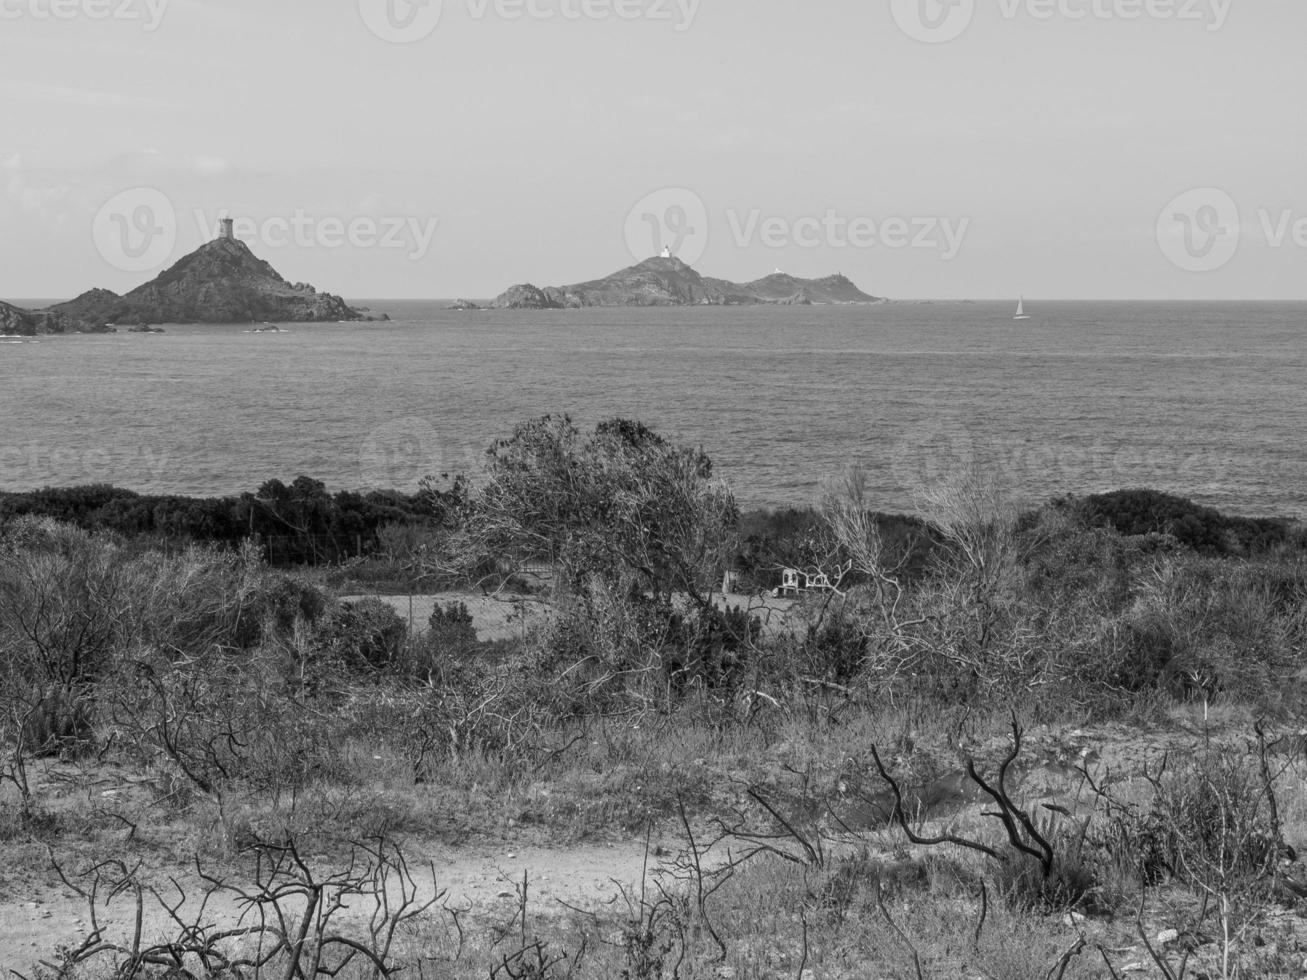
x: 1040, y: 150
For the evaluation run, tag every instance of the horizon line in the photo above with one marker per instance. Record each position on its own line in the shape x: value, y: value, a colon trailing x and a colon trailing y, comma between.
x: 47, y: 300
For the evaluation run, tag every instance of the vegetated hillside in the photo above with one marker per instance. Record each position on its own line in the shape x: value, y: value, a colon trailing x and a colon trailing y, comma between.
x: 670, y: 282
x: 780, y: 287
x: 220, y: 282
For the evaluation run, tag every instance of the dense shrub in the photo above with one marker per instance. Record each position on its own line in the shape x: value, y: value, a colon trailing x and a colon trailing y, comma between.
x: 365, y: 635
x: 709, y: 647
x: 77, y: 608
x: 275, y: 604
x: 1057, y: 608
x: 299, y: 522
x: 1205, y: 530
x: 64, y: 604
x: 836, y: 647
x: 447, y: 652
x: 619, y: 506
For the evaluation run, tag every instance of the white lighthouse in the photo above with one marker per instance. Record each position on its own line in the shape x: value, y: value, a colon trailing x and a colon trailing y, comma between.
x: 667, y: 251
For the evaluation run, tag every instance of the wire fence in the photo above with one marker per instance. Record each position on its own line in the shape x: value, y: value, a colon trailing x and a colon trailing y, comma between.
x: 286, y: 549
x: 313, y: 549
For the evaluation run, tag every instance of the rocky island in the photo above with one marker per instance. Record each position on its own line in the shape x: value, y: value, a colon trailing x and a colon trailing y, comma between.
x: 667, y: 281
x: 220, y: 282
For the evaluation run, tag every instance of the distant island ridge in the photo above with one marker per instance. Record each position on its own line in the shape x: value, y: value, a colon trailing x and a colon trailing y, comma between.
x: 667, y: 281
x: 220, y: 282
x: 223, y: 281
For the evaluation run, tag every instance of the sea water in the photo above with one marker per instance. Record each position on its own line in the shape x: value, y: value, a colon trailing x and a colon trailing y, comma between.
x: 1204, y: 400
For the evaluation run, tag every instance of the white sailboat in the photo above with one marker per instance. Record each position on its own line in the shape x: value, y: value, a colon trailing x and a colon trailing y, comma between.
x: 1021, y: 310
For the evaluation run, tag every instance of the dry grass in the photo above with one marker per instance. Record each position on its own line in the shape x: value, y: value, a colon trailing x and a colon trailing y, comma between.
x: 545, y: 784
x: 622, y: 780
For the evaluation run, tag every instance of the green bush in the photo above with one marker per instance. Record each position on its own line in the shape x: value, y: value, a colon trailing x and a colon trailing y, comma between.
x: 366, y: 635
x: 1072, y: 881
x: 1205, y: 530
x: 836, y: 648
x: 274, y: 604
x: 447, y: 651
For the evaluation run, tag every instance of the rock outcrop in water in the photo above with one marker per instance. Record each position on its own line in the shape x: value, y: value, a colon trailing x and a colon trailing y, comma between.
x: 670, y: 282
x: 220, y: 282
x: 15, y: 322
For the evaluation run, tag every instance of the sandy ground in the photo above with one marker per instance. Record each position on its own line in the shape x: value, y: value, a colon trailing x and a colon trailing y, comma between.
x: 480, y: 879
x: 508, y: 616
x: 38, y: 914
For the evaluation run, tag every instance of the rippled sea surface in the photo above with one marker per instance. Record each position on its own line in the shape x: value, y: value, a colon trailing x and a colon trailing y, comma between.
x: 1205, y: 400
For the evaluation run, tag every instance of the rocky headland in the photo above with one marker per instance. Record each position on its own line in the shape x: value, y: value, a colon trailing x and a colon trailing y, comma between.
x: 220, y: 282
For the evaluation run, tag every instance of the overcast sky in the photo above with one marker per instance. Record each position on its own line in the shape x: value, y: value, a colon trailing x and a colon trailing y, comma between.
x: 370, y: 149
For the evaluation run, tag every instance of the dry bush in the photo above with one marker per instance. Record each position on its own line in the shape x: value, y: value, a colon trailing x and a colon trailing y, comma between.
x: 1212, y: 827
x: 1039, y: 604
x: 64, y: 612
x: 1212, y: 628
x: 224, y: 723
x: 965, y: 629
x: 292, y: 917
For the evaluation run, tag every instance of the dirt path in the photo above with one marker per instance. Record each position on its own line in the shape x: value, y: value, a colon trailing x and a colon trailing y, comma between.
x: 38, y: 913
x: 482, y: 880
